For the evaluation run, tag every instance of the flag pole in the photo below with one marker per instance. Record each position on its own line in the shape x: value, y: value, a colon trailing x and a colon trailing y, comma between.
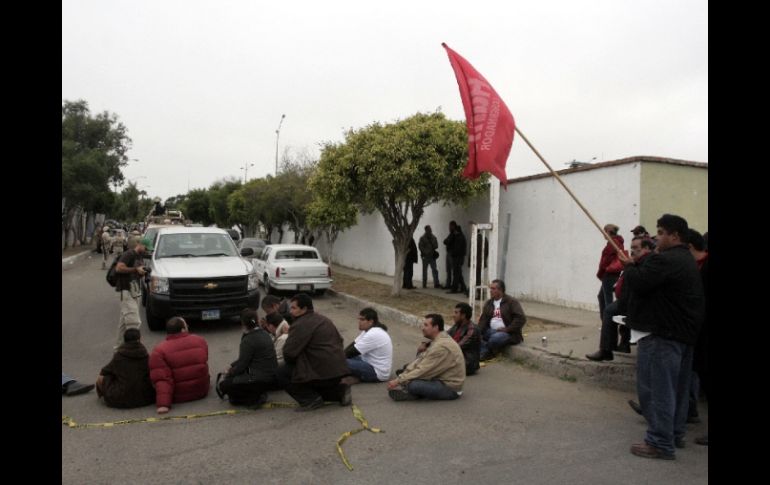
x: 606, y: 236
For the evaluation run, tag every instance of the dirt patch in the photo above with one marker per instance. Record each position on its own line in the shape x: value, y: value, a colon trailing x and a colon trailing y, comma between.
x: 415, y: 302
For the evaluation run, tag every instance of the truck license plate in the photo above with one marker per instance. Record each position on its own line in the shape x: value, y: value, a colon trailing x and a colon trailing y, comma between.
x: 210, y: 315
x: 304, y: 287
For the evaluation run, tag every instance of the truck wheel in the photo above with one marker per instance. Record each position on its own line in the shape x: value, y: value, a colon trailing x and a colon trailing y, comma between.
x: 156, y: 324
x: 266, y: 283
x: 320, y: 292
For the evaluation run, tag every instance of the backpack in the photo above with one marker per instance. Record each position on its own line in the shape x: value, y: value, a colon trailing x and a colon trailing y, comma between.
x: 112, y: 274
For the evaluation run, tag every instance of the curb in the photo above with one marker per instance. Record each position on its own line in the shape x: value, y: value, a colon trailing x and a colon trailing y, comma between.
x: 619, y: 376
x: 71, y: 260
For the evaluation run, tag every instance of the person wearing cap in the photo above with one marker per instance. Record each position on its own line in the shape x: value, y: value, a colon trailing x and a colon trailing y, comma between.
x: 640, y: 231
x: 130, y: 268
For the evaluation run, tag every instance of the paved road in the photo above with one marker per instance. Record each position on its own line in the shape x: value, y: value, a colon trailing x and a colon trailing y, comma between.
x: 512, y: 424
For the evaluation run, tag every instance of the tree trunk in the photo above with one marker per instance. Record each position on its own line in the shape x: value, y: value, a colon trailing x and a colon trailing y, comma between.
x: 401, y: 246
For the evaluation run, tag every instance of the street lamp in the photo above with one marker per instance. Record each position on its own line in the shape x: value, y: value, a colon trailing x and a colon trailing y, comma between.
x: 277, y: 134
x: 245, y: 169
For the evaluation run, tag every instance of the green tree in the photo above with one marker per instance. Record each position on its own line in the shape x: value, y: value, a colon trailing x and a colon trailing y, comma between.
x: 94, y: 150
x: 218, y: 194
x: 399, y: 169
x: 196, y: 207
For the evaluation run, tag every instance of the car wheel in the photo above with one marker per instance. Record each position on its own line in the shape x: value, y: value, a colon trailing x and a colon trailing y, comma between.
x: 266, y: 283
x: 320, y: 292
x: 155, y: 323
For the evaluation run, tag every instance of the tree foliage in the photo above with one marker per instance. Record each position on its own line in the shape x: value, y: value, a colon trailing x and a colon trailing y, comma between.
x: 399, y: 169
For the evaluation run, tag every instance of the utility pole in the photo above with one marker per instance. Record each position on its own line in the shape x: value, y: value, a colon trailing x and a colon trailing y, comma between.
x: 277, y: 134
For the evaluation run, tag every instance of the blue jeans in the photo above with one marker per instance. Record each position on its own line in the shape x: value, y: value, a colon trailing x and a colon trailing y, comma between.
x: 429, y: 261
x: 663, y: 383
x: 434, y: 389
x: 362, y: 370
x: 492, y: 340
x: 607, y: 291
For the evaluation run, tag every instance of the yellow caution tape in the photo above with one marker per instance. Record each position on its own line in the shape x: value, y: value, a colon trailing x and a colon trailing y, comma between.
x: 364, y: 426
x: 67, y: 421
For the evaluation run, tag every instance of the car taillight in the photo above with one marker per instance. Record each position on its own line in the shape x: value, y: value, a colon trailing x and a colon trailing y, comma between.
x: 277, y: 272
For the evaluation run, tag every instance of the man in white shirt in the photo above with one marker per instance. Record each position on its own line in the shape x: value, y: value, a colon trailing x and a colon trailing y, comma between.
x: 501, y: 321
x: 370, y: 356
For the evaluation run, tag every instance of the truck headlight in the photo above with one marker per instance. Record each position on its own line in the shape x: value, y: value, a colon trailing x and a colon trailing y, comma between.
x: 159, y: 285
x: 253, y: 281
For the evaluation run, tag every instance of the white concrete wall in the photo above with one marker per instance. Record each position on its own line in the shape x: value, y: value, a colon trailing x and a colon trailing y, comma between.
x: 368, y: 245
x: 554, y: 249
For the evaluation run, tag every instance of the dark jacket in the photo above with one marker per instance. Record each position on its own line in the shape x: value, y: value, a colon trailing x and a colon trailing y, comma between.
x: 511, y: 313
x: 126, y: 381
x: 256, y: 358
x: 666, y: 295
x: 411, y: 254
x: 132, y: 259
x: 458, y: 245
x: 428, y: 243
x: 468, y: 337
x: 314, y: 348
x: 179, y: 369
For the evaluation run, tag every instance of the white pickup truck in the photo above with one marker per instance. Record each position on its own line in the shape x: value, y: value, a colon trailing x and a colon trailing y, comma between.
x: 293, y: 267
x: 197, y: 273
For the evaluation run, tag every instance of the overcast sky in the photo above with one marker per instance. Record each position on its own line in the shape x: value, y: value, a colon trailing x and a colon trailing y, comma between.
x: 201, y: 86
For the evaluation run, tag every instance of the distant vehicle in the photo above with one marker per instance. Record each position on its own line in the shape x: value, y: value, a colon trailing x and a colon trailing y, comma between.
x: 293, y: 267
x: 249, y: 242
x: 198, y: 274
x: 234, y: 234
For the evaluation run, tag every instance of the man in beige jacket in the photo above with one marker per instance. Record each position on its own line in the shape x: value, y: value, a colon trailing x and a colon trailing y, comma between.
x: 437, y: 373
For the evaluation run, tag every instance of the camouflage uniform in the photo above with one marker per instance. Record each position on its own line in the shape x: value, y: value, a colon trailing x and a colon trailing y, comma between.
x: 106, y: 245
x: 117, y: 244
x: 134, y: 238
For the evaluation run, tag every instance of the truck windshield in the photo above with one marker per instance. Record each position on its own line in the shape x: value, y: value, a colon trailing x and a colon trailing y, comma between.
x: 188, y: 245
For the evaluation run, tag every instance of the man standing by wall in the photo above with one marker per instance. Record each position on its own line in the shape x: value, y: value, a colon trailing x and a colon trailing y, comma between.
x: 428, y: 247
x: 458, y: 250
x: 667, y: 302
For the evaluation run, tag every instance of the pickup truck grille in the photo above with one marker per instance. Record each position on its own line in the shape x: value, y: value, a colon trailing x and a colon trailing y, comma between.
x: 196, y: 289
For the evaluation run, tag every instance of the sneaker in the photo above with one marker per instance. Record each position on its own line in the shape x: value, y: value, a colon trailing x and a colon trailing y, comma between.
x: 401, y: 395
x: 347, y: 397
x: 648, y: 451
x: 74, y: 388
x: 315, y: 404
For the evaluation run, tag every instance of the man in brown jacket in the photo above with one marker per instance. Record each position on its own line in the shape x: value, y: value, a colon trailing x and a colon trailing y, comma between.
x: 437, y: 373
x: 501, y: 321
x: 316, y: 358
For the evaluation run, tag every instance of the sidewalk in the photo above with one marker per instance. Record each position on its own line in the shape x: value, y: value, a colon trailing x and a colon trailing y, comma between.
x: 563, y: 355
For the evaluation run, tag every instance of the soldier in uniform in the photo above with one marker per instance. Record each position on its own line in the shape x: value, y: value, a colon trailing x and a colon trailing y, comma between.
x: 106, y: 245
x: 118, y: 243
x: 134, y: 238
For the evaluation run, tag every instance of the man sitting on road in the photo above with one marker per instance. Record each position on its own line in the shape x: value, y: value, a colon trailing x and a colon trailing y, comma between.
x: 314, y: 357
x: 370, y: 356
x: 279, y: 329
x: 467, y: 335
x: 437, y: 373
x: 273, y: 304
x: 501, y: 321
x: 179, y: 366
x: 125, y: 381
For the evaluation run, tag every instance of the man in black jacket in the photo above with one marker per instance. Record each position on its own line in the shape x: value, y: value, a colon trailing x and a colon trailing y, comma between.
x: 457, y: 250
x: 667, y: 302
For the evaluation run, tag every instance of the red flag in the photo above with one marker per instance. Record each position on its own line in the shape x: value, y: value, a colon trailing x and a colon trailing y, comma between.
x: 490, y: 123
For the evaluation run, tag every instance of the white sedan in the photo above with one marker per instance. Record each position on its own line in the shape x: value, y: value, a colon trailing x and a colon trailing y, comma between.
x: 293, y: 267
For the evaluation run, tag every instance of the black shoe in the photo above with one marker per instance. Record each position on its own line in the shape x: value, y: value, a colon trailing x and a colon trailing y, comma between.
x: 262, y: 399
x: 635, y: 406
x: 74, y: 388
x: 703, y: 440
x: 401, y: 395
x: 679, y: 442
x: 600, y: 355
x: 624, y: 348
x: 315, y: 404
x: 347, y: 398
x: 693, y: 419
x: 437, y: 286
x: 486, y: 356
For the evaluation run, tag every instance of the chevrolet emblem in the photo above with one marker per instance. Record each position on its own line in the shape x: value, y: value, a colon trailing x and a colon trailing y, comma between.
x: 210, y: 285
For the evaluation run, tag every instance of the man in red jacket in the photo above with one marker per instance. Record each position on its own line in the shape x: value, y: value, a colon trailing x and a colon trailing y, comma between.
x: 179, y: 366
